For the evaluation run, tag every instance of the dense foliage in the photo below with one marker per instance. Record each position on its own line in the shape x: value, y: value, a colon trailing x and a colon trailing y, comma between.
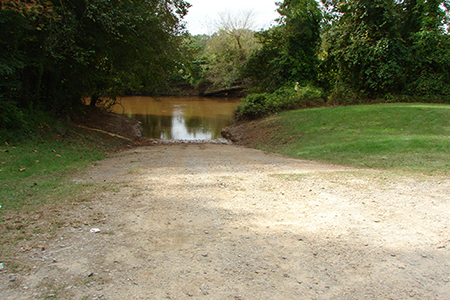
x: 55, y: 54
x: 289, y: 50
x: 356, y: 51
x: 258, y: 105
x: 384, y: 46
x: 215, y: 61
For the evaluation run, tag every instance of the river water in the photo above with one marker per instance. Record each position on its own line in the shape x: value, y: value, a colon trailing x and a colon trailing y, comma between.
x: 179, y: 118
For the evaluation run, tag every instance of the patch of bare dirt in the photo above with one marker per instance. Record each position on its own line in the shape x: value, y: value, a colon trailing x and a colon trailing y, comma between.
x: 205, y: 221
x: 249, y: 132
x: 113, y: 124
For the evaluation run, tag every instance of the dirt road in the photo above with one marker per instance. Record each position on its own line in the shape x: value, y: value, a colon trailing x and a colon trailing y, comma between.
x: 208, y: 221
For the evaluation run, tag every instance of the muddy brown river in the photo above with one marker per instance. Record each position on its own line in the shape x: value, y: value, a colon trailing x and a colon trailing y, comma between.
x: 179, y: 118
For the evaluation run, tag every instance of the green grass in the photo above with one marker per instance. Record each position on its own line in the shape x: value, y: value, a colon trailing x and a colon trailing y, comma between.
x: 407, y: 137
x: 35, y: 172
x: 37, y: 193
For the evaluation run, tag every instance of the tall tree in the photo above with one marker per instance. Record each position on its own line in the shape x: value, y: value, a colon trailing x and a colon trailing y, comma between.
x: 237, y: 26
x: 429, y: 67
x: 379, y: 47
x: 225, y: 56
x: 366, y: 46
x: 301, y: 20
x: 289, y: 51
x: 220, y: 55
x: 69, y: 49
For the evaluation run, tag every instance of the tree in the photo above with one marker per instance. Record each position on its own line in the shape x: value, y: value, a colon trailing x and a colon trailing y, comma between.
x: 225, y: 55
x: 237, y: 26
x: 68, y: 50
x: 379, y: 47
x: 22, y: 24
x: 289, y: 51
x: 429, y: 43
x: 267, y: 69
x: 367, y: 48
x: 218, y: 58
x: 430, y: 67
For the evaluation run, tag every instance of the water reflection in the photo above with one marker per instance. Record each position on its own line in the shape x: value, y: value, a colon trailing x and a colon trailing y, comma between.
x: 184, y: 118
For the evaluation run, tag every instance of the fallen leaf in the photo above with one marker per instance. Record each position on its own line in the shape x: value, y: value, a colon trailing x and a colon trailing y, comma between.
x: 2, y: 162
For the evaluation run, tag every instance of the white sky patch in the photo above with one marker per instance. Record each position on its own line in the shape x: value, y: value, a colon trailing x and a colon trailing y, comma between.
x: 203, y: 14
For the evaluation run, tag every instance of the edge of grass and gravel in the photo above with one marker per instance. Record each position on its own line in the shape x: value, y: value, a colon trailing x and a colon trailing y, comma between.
x: 37, y: 194
x: 403, y: 137
x: 411, y: 138
x: 36, y: 171
x: 406, y: 137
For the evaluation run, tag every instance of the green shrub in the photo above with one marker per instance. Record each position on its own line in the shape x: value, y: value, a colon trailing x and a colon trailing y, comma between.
x: 310, y: 96
x: 252, y: 107
x: 11, y: 117
x: 17, y: 125
x: 344, y: 95
x: 259, y: 105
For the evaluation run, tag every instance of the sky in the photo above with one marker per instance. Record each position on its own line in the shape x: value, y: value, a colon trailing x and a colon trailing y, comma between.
x: 203, y: 13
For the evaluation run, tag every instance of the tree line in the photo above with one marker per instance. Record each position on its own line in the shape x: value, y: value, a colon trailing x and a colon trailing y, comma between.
x: 55, y: 55
x: 341, y: 52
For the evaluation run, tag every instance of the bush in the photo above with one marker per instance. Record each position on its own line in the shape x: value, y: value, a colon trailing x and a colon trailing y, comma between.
x: 259, y: 105
x: 24, y: 124
x: 344, y: 95
x: 252, y: 107
x: 310, y: 96
x: 11, y: 117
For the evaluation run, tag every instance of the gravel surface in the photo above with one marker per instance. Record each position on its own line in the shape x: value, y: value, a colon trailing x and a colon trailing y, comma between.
x: 206, y: 221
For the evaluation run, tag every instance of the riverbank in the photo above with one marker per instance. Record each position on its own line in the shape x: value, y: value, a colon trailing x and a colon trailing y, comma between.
x: 203, y: 220
x: 407, y: 138
x: 401, y: 137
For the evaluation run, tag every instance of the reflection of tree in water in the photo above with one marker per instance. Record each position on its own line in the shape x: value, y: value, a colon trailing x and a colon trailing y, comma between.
x: 196, y: 124
x: 214, y: 125
x: 193, y: 123
x: 155, y: 126
x: 219, y: 124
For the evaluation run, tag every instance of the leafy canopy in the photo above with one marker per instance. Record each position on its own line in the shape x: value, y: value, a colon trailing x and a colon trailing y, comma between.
x: 54, y: 54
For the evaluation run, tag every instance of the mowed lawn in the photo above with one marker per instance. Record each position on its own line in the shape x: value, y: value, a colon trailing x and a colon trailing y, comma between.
x: 36, y: 171
x: 406, y: 137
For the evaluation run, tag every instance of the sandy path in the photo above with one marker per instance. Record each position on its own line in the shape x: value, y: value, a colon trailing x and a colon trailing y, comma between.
x: 225, y: 222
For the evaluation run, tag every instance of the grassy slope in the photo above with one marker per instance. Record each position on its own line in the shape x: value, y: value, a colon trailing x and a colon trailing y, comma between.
x: 409, y: 137
x: 406, y: 137
x: 34, y: 173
